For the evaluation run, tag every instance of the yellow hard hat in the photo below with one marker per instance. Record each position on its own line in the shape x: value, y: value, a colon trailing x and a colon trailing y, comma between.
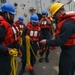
x: 55, y: 7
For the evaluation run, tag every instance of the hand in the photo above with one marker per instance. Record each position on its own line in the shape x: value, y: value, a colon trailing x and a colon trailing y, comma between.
x: 52, y: 47
x: 46, y: 18
x: 42, y: 19
x: 40, y: 50
x: 9, y: 51
x: 53, y: 38
x: 20, y: 53
x: 43, y: 41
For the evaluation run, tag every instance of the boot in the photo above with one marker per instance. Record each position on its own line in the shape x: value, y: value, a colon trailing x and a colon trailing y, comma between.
x: 32, y: 72
x: 47, y: 60
x: 41, y: 60
x: 21, y: 71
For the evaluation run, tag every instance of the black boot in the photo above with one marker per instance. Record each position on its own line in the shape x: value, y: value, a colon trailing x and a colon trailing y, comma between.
x: 21, y: 71
x: 47, y: 60
x: 23, y: 68
x: 32, y: 72
x: 40, y: 60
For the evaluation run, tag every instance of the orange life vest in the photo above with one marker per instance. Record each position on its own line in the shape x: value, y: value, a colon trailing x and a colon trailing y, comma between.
x: 71, y: 40
x: 44, y: 24
x: 20, y: 25
x: 11, y: 32
x: 33, y: 32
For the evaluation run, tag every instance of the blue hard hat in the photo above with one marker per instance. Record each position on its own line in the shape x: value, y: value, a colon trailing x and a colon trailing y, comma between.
x: 8, y: 7
x: 34, y: 18
x: 45, y: 12
x: 21, y: 19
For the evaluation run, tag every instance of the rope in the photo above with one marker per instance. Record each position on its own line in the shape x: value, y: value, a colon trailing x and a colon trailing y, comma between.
x: 28, y: 46
x: 20, y: 37
x: 28, y: 64
x: 20, y: 41
x: 14, y: 63
x: 21, y: 32
x: 37, y: 58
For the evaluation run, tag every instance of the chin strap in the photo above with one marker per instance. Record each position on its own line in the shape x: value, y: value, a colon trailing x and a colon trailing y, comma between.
x: 8, y: 16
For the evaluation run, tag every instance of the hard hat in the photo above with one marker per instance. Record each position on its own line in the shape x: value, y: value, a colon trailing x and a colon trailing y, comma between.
x: 8, y: 7
x: 45, y: 12
x: 21, y: 19
x: 55, y: 7
x: 34, y: 18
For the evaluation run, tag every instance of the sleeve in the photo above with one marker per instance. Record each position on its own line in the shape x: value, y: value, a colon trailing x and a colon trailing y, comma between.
x: 23, y: 35
x: 67, y: 30
x: 40, y: 38
x: 3, y: 49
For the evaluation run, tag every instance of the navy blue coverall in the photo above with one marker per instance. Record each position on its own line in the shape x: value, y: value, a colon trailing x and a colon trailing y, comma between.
x: 34, y: 47
x: 45, y: 35
x: 5, y: 67
x: 67, y: 56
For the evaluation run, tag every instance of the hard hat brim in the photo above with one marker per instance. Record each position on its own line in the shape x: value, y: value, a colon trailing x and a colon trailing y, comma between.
x: 34, y: 21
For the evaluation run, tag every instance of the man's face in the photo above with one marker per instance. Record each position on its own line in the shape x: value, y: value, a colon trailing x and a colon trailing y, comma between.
x: 43, y: 15
x: 55, y: 15
x: 9, y: 17
x: 34, y: 23
x: 58, y: 14
x: 20, y: 21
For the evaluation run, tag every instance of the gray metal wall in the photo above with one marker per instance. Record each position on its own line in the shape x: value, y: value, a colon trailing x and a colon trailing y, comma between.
x: 39, y: 5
